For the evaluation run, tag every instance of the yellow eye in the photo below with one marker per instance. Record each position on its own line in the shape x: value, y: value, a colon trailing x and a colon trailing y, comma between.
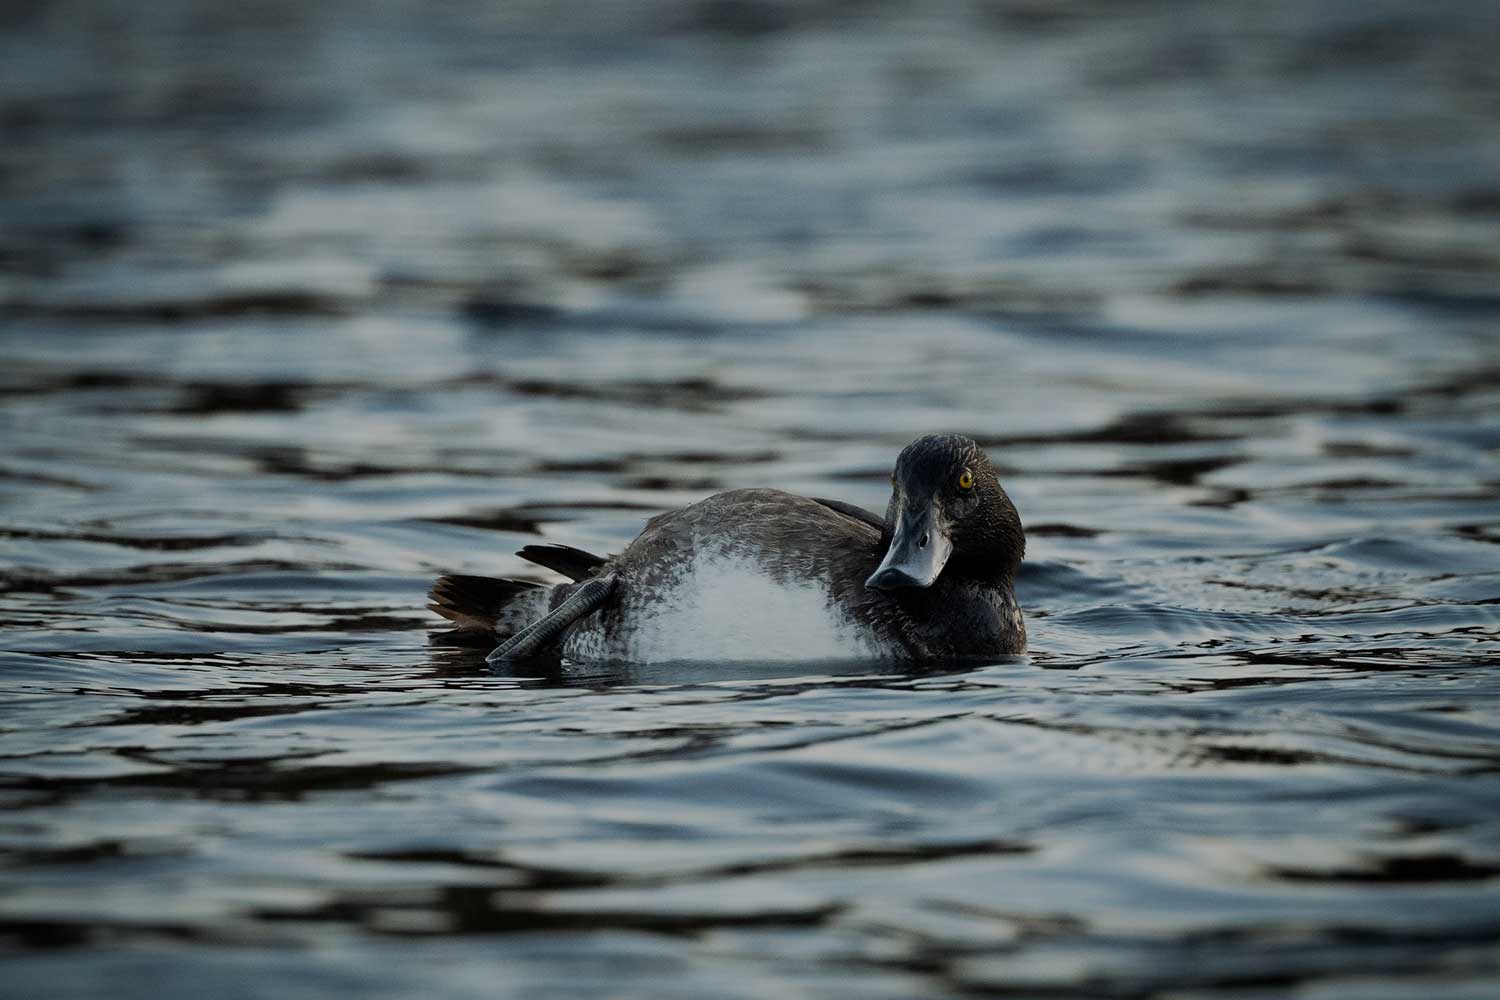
x: 966, y: 480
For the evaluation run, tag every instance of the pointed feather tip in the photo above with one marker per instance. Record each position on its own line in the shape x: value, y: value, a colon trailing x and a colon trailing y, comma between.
x: 575, y: 564
x: 474, y: 602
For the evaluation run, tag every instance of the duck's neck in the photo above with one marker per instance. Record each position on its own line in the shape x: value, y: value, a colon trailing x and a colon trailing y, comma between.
x: 988, y: 570
x: 962, y: 615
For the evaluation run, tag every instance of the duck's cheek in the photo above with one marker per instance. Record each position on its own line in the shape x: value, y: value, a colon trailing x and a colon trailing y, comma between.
x: 951, y: 520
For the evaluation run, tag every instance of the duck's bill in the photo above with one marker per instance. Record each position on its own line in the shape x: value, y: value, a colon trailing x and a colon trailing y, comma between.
x: 919, y: 549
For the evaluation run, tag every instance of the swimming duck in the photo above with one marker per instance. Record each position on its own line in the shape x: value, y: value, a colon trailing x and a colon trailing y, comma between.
x: 760, y: 574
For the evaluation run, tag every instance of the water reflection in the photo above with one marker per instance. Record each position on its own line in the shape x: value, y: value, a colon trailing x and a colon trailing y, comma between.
x: 748, y: 673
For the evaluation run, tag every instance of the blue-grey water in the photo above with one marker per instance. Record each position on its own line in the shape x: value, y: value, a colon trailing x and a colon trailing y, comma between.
x: 304, y: 304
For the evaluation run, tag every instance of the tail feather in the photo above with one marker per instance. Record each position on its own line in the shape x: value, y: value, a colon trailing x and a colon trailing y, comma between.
x: 575, y: 564
x: 481, y: 602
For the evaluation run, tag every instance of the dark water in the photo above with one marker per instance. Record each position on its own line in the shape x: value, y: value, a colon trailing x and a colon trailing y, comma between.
x: 305, y: 304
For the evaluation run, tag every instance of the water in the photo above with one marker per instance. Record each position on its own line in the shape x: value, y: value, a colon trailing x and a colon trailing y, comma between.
x: 304, y: 306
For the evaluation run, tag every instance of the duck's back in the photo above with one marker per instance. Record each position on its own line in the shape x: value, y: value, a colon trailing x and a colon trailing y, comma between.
x: 743, y: 575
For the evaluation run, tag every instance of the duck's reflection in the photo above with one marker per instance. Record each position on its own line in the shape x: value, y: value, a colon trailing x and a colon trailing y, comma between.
x: 458, y: 657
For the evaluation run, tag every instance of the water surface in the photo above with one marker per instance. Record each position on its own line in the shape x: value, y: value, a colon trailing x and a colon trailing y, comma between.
x: 303, y: 306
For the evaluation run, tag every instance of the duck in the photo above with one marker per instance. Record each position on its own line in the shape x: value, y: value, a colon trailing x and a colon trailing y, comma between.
x: 764, y: 574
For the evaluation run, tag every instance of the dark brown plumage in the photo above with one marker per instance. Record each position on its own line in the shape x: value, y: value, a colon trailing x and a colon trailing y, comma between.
x: 951, y: 540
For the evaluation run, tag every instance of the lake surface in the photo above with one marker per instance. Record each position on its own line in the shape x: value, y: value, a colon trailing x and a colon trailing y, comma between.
x: 304, y: 305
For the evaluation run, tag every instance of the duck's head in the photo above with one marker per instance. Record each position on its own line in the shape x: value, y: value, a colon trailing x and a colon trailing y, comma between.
x: 948, y: 515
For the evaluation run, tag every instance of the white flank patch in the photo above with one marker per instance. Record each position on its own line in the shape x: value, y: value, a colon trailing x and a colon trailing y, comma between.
x: 724, y: 607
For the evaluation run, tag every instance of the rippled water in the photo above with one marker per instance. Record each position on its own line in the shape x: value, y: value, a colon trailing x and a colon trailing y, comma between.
x: 304, y: 305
